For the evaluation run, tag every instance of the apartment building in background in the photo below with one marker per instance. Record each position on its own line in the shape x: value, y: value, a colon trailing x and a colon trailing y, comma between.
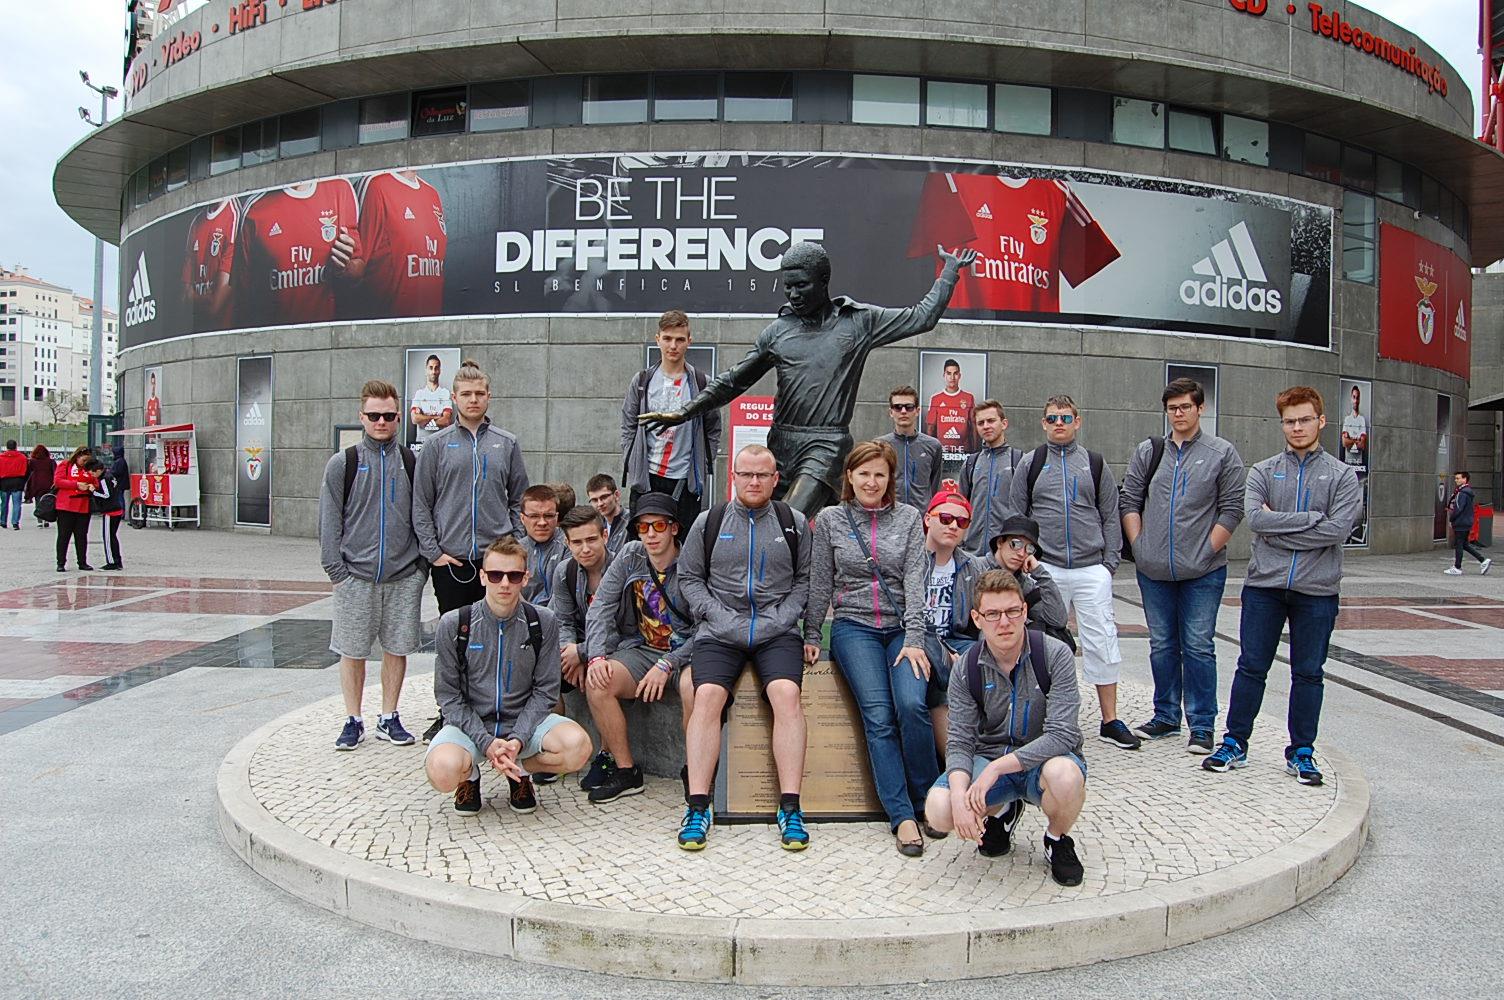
x: 45, y: 336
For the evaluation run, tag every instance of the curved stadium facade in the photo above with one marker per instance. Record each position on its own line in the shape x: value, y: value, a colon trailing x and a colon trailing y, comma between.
x: 1256, y: 195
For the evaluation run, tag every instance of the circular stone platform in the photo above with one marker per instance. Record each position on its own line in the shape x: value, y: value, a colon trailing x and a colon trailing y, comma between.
x: 1173, y: 854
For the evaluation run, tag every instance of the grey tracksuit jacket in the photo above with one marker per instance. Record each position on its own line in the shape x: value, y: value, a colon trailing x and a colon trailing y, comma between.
x: 611, y: 621
x: 1018, y: 718
x: 371, y: 538
x: 507, y: 687
x: 468, y: 491
x: 1314, y: 503
x: 985, y: 479
x: 751, y: 591
x: 618, y: 532
x: 569, y: 605
x: 1077, y: 528
x: 839, y: 572
x: 920, y: 460
x: 705, y: 437
x: 542, y: 558
x: 1197, y: 486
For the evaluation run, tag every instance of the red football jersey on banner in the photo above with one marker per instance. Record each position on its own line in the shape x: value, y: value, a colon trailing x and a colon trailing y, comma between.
x: 949, y: 419
x: 1027, y: 232
x: 286, y: 238
x: 210, y: 258
x: 402, y: 229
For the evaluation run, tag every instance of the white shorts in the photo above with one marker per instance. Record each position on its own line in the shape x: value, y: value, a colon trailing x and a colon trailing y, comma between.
x: 1088, y: 591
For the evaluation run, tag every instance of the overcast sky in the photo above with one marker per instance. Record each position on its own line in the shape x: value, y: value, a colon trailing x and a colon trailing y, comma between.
x: 48, y: 43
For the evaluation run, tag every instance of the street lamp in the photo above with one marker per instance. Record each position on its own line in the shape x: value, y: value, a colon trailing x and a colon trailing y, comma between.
x: 96, y: 338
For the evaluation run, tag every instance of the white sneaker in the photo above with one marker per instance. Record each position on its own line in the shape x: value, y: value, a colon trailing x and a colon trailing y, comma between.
x: 1487, y: 565
x: 1452, y: 571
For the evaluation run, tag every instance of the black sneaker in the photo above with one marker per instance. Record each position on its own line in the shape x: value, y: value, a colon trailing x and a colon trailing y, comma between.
x: 392, y: 731
x: 1065, y: 867
x: 433, y: 728
x: 467, y: 797
x: 545, y: 778
x: 601, y: 767
x: 522, y: 800
x: 621, y: 781
x: 1156, y: 730
x: 1200, y: 742
x: 997, y: 831
x: 352, y: 734
x: 1119, y: 735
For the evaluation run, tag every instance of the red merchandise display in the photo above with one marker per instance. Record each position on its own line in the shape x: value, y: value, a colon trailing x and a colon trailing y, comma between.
x: 165, y: 491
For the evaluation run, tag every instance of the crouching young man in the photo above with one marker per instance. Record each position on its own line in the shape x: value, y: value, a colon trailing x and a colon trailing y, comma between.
x: 1014, y: 737
x: 496, y: 679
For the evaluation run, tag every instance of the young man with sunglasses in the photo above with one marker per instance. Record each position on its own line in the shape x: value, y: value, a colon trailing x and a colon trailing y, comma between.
x: 1182, y: 499
x: 1073, y: 497
x: 639, y: 633
x: 1014, y: 734
x: 496, y: 678
x: 987, y: 475
x: 1016, y: 549
x: 748, y: 598
x: 920, y: 457
x: 1301, y: 506
x: 368, y: 549
x: 543, y: 542
x: 953, y: 573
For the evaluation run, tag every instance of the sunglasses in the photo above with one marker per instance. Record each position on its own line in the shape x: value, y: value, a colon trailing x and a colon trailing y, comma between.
x: 1059, y: 418
x: 1021, y: 545
x: 660, y: 525
x: 903, y: 407
x: 959, y: 520
x: 380, y: 418
x: 512, y: 576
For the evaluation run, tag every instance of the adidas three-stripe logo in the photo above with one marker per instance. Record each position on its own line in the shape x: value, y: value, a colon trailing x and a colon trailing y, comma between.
x: 1235, y: 277
x: 140, y: 306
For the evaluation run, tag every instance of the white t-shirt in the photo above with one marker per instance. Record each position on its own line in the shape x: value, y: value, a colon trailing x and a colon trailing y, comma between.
x: 432, y: 401
x: 1354, y: 425
x: 669, y: 449
x: 940, y: 596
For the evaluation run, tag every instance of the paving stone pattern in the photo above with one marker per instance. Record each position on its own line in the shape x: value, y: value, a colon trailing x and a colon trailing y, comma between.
x: 1151, y: 817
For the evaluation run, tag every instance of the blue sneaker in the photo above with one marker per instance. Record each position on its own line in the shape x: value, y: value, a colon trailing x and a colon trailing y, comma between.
x: 694, y: 829
x: 1302, y: 764
x: 391, y: 730
x: 352, y: 734
x: 791, y: 831
x: 1226, y: 757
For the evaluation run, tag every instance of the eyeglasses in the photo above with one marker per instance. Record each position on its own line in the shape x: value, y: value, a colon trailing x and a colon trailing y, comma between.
x: 1180, y: 407
x: 959, y: 520
x: 1022, y: 545
x: 660, y: 526
x: 903, y: 407
x: 993, y: 617
x: 756, y: 477
x: 1060, y: 418
x: 512, y: 576
x: 1299, y: 421
x: 378, y: 418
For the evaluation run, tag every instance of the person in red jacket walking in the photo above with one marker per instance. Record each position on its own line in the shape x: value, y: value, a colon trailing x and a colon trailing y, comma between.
x: 13, y: 469
x: 75, y: 484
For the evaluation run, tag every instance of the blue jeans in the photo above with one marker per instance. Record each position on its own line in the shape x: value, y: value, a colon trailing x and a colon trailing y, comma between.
x: 10, y: 500
x: 895, y: 718
x: 1182, y: 617
x: 1265, y: 611
x: 940, y: 654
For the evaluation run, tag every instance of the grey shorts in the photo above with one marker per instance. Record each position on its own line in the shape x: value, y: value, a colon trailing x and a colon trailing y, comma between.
x: 637, y: 659
x: 366, y: 612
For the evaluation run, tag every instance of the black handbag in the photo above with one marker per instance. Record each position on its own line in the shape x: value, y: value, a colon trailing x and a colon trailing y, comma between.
x: 46, y: 507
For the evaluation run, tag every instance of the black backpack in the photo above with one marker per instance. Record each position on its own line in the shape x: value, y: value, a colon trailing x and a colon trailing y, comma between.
x: 717, y: 517
x: 1053, y: 631
x: 462, y: 635
x: 1036, y: 660
x: 1036, y: 464
x: 1156, y: 455
x: 45, y: 507
x: 352, y: 463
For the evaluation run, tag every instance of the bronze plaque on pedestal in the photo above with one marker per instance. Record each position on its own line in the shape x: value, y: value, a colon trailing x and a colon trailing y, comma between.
x: 837, y: 781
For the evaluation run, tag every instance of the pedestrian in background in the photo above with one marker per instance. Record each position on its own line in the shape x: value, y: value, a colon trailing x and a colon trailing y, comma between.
x: 41, y: 470
x: 1462, y: 513
x: 111, y: 507
x: 75, y: 485
x: 13, y: 468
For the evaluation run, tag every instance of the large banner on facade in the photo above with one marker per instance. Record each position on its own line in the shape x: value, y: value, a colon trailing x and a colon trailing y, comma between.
x: 253, y: 441
x: 642, y: 233
x: 1425, y: 302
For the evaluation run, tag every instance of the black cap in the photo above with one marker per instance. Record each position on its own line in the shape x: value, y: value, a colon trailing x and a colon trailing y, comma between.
x: 655, y: 503
x: 1016, y: 526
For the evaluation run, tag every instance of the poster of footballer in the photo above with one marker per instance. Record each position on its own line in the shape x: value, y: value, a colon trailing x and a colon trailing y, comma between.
x: 1356, y: 425
x: 428, y: 376
x: 640, y: 233
x: 951, y: 383
x: 152, y: 395
x: 1206, y: 375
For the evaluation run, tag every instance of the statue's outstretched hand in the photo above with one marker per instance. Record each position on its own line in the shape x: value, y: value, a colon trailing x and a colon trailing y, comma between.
x: 658, y: 421
x: 963, y: 257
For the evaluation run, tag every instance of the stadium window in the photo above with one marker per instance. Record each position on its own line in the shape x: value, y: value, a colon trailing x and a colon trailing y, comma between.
x: 955, y: 105
x: 759, y: 97
x: 258, y: 142
x: 497, y: 107
x: 616, y: 100
x: 382, y: 119
x: 339, y: 125
x: 885, y: 100
x: 1389, y: 179
x: 1025, y: 110
x: 1245, y: 140
x: 1323, y: 160
x: 439, y: 112
x: 298, y: 133
x: 177, y: 168
x: 1359, y: 237
x: 681, y: 97
x: 1138, y: 123
x: 224, y: 152
x: 1192, y: 131
x: 1357, y: 168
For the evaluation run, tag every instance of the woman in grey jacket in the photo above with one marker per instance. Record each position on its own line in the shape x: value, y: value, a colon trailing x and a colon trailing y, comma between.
x: 868, y: 558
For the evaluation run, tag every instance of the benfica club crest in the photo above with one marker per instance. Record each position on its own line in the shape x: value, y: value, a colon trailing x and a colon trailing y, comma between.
x: 1037, y: 231
x: 253, y: 464
x: 216, y: 242
x: 438, y: 214
x: 328, y: 226
x: 1425, y: 313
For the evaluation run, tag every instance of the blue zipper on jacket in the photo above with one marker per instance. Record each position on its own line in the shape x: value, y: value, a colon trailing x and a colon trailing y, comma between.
x: 381, y: 516
x: 751, y: 600
x: 1174, y: 485
x: 1300, y: 505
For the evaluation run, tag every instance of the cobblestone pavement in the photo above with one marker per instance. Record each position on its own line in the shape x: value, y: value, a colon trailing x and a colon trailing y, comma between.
x: 1152, y: 816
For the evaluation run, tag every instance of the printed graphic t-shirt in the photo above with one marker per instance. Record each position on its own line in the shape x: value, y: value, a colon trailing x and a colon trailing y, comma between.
x: 653, y: 619
x: 668, y: 449
x: 940, y: 596
x: 1028, y: 233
